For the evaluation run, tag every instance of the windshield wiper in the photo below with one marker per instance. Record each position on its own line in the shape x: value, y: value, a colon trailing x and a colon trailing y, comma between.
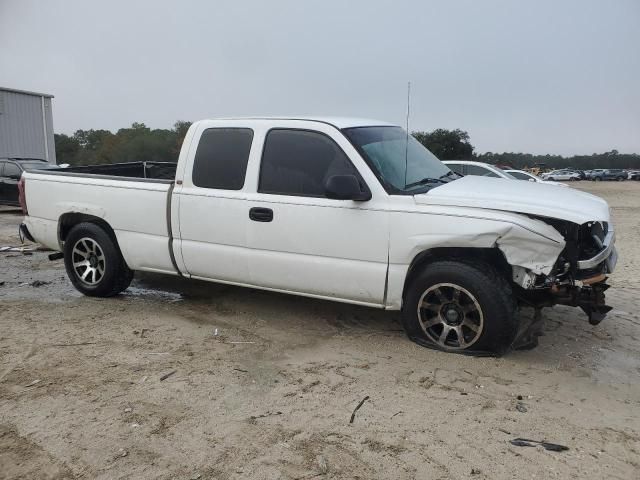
x: 425, y: 181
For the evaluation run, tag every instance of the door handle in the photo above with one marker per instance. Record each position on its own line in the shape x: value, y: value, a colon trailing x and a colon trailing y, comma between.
x: 258, y: 214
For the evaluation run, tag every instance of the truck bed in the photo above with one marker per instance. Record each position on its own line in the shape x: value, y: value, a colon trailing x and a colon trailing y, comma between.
x: 133, y: 198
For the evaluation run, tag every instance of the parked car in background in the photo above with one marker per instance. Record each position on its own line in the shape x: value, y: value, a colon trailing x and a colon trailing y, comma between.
x: 338, y: 209
x: 616, y: 174
x: 530, y: 177
x: 478, y: 169
x: 565, y: 174
x: 633, y: 174
x: 10, y: 172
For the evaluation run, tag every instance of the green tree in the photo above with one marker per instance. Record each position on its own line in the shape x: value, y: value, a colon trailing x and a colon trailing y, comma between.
x: 447, y: 144
x: 67, y: 148
x: 180, y: 128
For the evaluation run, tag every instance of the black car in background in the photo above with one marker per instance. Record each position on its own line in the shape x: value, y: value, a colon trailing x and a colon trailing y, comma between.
x: 10, y: 172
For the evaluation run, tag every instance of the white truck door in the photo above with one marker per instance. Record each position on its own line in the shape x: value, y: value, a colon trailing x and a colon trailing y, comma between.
x: 299, y: 240
x: 213, y: 205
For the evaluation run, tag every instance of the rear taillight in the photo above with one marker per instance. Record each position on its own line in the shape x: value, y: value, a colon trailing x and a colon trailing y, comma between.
x: 22, y: 196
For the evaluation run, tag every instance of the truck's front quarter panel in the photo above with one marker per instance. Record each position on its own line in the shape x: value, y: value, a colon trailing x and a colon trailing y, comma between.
x: 529, y: 246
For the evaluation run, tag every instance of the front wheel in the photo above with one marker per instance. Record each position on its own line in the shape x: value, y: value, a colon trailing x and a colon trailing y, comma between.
x: 94, y: 263
x: 461, y: 307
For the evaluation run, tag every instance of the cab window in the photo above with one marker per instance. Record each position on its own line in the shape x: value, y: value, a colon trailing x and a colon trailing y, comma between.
x: 299, y: 162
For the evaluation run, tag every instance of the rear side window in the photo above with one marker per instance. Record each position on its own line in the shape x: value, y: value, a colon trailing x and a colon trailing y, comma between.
x: 298, y: 162
x: 520, y: 175
x: 221, y: 158
x: 480, y: 171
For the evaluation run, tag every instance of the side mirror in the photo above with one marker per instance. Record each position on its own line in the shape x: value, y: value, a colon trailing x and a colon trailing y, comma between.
x: 345, y: 187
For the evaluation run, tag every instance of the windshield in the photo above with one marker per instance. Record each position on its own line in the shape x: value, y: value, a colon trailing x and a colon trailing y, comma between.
x: 402, y: 167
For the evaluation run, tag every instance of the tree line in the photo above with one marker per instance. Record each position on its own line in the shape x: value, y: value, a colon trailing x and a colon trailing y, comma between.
x: 137, y: 143
x: 140, y: 143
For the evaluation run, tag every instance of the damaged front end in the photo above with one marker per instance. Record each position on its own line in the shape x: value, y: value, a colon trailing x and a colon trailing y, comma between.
x: 578, y: 278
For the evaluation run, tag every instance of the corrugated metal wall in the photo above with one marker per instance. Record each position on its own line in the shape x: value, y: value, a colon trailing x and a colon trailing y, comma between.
x: 22, y: 126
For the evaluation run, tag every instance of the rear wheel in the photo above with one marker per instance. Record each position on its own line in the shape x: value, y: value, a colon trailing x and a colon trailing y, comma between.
x: 94, y: 263
x: 461, y: 307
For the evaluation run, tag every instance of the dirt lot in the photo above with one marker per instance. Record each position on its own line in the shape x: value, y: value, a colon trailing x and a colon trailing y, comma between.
x: 271, y: 395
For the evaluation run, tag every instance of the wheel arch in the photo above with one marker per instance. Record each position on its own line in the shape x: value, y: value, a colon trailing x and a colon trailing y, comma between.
x: 67, y: 221
x: 492, y: 256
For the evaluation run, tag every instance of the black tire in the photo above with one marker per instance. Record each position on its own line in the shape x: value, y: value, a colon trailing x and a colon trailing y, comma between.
x: 551, y: 179
x: 486, y: 288
x: 92, y: 253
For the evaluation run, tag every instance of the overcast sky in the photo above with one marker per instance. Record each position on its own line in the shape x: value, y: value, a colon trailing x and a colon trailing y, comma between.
x: 537, y: 76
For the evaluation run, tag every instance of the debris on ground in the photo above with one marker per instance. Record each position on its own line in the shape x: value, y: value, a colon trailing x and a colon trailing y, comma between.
x: 39, y: 283
x: 525, y: 442
x: 521, y: 407
x: 475, y: 471
x: 167, y: 375
x: 264, y: 415
x: 353, y: 415
x: 35, y: 382
x: 7, y: 249
x: 322, y: 464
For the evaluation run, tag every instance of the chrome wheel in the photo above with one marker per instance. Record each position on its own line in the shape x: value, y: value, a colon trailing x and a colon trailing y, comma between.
x: 88, y: 261
x: 450, y: 316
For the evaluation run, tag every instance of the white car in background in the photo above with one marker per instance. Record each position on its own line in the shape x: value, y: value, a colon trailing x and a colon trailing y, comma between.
x: 478, y: 169
x: 522, y: 175
x: 561, y: 175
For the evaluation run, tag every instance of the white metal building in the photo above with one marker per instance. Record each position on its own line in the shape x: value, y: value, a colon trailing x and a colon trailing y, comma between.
x: 26, y: 125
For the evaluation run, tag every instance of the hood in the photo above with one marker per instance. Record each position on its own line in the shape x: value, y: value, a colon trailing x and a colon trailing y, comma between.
x: 520, y: 197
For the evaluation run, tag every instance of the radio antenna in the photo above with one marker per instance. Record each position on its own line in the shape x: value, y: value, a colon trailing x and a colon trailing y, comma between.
x: 406, y: 146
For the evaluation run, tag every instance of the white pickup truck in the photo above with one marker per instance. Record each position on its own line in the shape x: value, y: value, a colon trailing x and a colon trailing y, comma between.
x: 334, y: 208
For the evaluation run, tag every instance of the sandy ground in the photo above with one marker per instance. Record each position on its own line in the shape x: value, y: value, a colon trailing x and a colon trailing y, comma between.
x: 271, y: 395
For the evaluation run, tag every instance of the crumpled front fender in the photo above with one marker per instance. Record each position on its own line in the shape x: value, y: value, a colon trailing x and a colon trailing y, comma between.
x: 525, y: 242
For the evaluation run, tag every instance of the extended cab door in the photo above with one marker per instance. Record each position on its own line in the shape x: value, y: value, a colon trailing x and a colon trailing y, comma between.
x: 301, y: 241
x: 212, y: 203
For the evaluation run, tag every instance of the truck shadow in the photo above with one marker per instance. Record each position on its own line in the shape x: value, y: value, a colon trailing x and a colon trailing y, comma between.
x: 279, y: 310
x: 568, y: 340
